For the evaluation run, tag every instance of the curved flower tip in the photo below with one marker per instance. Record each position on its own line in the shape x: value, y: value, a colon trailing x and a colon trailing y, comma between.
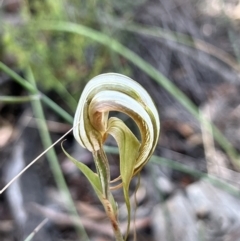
x: 115, y: 92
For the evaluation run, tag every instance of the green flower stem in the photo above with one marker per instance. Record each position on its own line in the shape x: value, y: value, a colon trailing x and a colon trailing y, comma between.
x: 28, y: 86
x: 103, y: 170
x: 52, y: 157
x: 113, y: 219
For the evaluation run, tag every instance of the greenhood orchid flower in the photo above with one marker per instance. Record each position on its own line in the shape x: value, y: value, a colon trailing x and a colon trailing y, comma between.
x: 92, y: 125
x: 115, y: 92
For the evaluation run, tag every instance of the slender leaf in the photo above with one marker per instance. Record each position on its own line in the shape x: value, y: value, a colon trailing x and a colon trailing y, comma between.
x: 18, y: 99
x: 92, y: 177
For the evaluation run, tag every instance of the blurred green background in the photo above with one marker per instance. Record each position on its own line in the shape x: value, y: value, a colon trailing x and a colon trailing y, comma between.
x: 185, y: 53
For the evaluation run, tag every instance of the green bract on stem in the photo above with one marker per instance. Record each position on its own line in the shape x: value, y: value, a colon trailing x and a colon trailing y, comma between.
x: 115, y: 92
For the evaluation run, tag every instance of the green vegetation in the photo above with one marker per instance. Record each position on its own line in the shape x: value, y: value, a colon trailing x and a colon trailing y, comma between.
x: 60, y: 61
